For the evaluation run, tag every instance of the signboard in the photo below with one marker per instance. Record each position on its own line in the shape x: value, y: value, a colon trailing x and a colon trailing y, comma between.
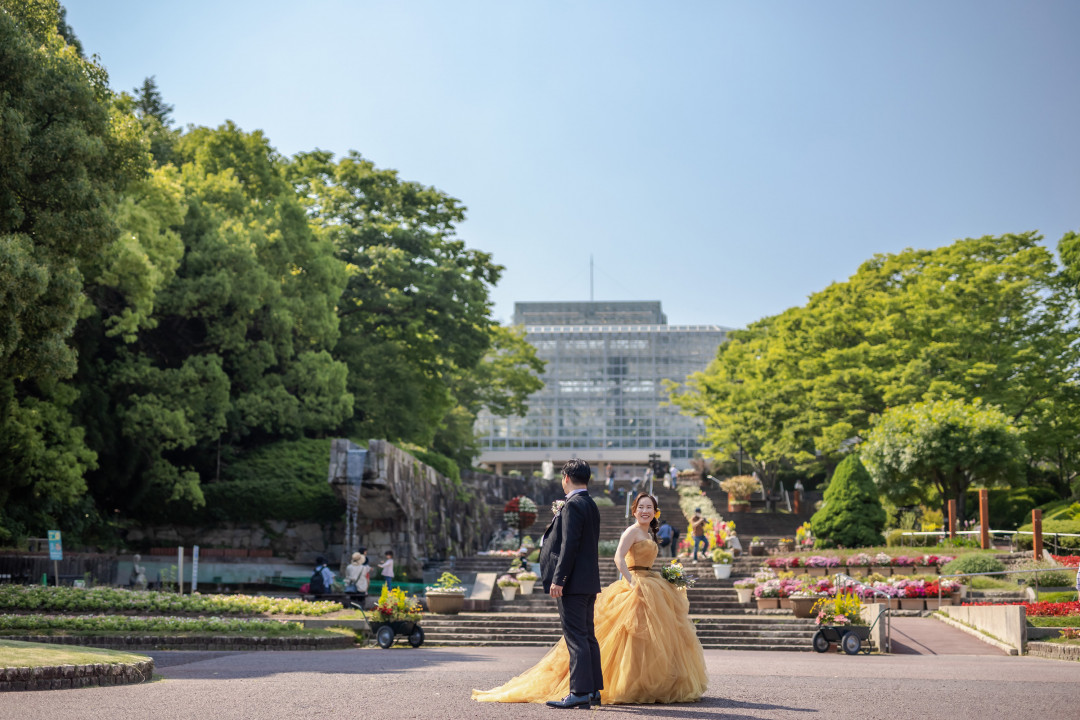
x: 56, y: 548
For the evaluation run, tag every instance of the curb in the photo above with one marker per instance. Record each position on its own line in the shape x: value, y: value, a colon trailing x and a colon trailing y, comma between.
x: 62, y: 677
x: 221, y: 642
x: 1054, y: 651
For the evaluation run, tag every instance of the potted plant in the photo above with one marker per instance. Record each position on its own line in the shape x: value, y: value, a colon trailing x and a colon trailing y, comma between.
x: 446, y: 596
x: 786, y: 544
x: 881, y: 564
x: 739, y: 489
x: 509, y: 586
x: 745, y: 589
x: 767, y: 595
x: 859, y: 564
x: 526, y: 580
x: 803, y: 601
x: 722, y: 560
x: 757, y: 547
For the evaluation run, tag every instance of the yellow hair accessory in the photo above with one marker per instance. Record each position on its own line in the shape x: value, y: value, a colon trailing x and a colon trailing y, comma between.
x: 657, y: 514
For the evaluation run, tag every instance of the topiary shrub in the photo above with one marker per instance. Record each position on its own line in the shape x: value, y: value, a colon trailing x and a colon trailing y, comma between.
x: 851, y: 514
x: 973, y: 563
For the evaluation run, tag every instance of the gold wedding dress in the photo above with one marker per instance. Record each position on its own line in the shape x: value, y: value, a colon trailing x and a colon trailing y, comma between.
x: 649, y: 651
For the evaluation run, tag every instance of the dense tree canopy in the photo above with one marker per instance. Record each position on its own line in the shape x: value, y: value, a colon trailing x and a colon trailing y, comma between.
x: 173, y: 303
x: 990, y: 318
x: 938, y: 449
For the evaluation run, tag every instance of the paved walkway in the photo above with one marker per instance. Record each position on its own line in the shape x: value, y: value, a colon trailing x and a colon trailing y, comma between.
x: 432, y: 684
x: 927, y: 636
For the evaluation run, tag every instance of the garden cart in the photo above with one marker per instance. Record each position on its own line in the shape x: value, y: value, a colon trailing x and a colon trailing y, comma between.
x: 385, y: 632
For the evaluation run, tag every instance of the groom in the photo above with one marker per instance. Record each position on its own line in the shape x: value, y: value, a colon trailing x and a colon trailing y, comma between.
x: 570, y: 568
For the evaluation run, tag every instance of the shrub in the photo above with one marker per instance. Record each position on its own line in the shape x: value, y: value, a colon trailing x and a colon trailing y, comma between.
x: 740, y: 487
x: 973, y: 563
x: 603, y: 501
x: 442, y: 464
x: 1053, y: 578
x: 1049, y: 527
x: 851, y: 514
x: 1011, y: 508
x: 606, y: 548
x: 895, y: 538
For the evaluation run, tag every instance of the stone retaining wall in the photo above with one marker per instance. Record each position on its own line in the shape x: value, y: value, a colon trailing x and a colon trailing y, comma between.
x: 1053, y: 651
x: 132, y: 643
x: 60, y: 677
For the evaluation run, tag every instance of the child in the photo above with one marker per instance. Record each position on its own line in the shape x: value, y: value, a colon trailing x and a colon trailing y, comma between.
x: 387, y: 567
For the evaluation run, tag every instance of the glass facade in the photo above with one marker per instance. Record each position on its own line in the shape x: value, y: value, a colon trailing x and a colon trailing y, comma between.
x: 604, y: 397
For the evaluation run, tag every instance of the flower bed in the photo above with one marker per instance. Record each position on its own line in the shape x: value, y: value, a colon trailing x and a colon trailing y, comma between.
x: 64, y: 599
x: 784, y: 585
x: 1042, y: 609
x: 1067, y: 560
x: 48, y: 624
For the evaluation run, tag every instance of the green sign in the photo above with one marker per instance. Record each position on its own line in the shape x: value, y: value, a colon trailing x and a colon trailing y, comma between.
x: 56, y: 549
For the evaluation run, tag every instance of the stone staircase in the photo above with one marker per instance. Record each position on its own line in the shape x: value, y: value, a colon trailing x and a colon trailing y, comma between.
x: 543, y: 630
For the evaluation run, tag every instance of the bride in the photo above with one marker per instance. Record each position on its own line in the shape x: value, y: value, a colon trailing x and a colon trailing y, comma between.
x: 649, y: 650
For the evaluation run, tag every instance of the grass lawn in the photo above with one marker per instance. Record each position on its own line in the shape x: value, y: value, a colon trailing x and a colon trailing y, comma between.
x: 25, y: 654
x: 985, y: 582
x: 1056, y: 597
x: 1054, y: 620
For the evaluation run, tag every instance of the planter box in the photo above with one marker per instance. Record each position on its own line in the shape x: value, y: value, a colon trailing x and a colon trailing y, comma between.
x: 912, y: 604
x: 722, y: 572
x: 745, y: 594
x: 785, y: 603
x: 906, y: 570
x: 803, y: 607
x: 768, y: 603
x: 858, y: 570
x: 445, y: 603
x: 817, y: 571
x: 926, y: 569
x: 933, y: 604
x: 885, y: 570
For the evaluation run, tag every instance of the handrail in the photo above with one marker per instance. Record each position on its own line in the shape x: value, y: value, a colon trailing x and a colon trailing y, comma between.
x: 1010, y: 533
x: 1056, y: 568
x: 849, y: 581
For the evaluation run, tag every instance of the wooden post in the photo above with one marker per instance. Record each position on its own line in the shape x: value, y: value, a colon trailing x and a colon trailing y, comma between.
x: 796, y: 498
x: 1036, y: 527
x: 984, y: 519
x: 952, y: 518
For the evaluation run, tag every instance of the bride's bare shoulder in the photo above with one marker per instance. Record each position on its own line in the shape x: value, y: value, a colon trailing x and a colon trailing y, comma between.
x: 635, y: 534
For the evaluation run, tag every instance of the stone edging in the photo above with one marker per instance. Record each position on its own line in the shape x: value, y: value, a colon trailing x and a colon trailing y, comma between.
x: 133, y: 643
x: 60, y: 677
x: 1053, y: 651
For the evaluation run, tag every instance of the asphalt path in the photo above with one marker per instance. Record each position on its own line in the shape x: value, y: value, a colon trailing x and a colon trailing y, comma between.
x: 434, y: 683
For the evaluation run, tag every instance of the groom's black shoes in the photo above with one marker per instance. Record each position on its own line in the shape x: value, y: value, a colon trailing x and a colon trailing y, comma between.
x: 595, y: 698
x: 570, y: 701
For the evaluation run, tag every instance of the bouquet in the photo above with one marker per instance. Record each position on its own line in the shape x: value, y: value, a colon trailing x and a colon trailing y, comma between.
x: 674, y: 574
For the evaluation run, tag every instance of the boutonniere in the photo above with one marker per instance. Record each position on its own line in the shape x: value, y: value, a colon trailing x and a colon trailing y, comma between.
x: 556, y: 507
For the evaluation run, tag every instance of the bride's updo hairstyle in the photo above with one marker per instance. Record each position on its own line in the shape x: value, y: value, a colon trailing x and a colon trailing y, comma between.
x: 654, y: 524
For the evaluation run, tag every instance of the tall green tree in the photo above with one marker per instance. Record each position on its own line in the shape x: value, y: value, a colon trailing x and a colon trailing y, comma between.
x: 938, y: 449
x: 66, y: 155
x: 416, y: 312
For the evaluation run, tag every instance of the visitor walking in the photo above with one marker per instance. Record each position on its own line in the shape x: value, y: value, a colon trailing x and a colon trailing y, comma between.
x: 387, y: 568
x: 697, y: 525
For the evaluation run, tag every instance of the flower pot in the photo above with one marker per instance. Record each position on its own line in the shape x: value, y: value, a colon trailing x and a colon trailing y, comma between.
x: 802, y: 607
x: 738, y: 506
x: 905, y: 570
x: 508, y: 592
x: 787, y: 547
x: 926, y: 570
x: 885, y: 570
x: 785, y: 603
x: 768, y: 603
x: 745, y: 594
x: 526, y: 587
x: 757, y: 549
x: 445, y: 603
x: 932, y: 603
x: 858, y: 570
x: 912, y: 604
x: 722, y: 571
x: 817, y: 571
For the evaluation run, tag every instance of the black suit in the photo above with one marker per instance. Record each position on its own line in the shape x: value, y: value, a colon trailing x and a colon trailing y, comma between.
x: 569, y: 557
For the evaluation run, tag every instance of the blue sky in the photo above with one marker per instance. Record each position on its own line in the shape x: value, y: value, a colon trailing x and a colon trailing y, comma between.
x: 725, y: 158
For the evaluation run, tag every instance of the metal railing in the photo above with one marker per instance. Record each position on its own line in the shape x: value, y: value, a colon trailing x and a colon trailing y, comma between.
x: 1036, y: 571
x: 942, y: 534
